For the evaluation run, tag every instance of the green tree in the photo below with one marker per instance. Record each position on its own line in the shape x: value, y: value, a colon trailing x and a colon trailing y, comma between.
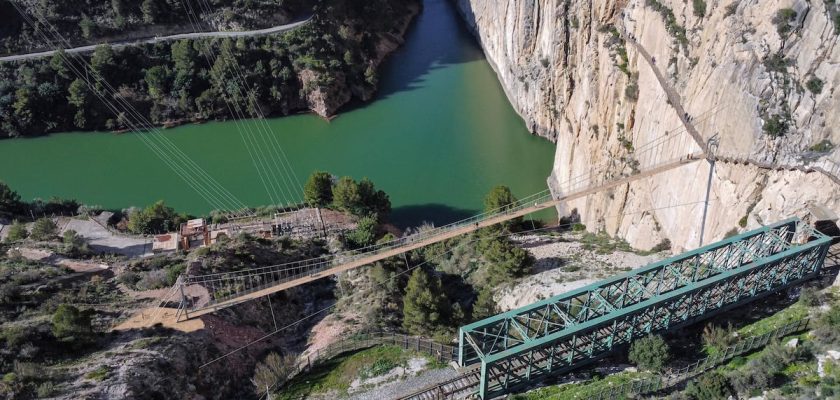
x: 17, y: 232
x: 424, y: 304
x: 43, y: 229
x: 87, y: 26
x: 500, y: 199
x: 75, y: 245
x: 78, y: 97
x: 102, y: 62
x: 318, y: 189
x: 484, y: 306
x: 69, y: 324
x: 118, y: 6
x: 10, y: 204
x: 57, y: 64
x: 710, y: 386
x: 507, y: 261
x: 155, y: 218
x: 156, y: 81
x: 23, y: 107
x: 650, y: 352
x: 373, y: 201
x: 346, y: 195
x: 150, y: 11
x: 364, y: 234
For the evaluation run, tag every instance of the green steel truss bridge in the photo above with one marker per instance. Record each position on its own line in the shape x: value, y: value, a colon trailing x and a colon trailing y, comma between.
x: 517, y: 348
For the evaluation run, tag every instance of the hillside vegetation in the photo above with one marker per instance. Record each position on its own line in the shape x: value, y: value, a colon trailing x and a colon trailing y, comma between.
x: 318, y: 67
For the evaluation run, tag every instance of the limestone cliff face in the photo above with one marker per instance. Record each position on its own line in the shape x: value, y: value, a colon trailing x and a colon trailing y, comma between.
x: 762, y: 80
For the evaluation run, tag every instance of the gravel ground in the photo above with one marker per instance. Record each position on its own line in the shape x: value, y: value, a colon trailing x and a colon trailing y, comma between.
x: 407, y: 386
x: 562, y: 264
x: 103, y: 240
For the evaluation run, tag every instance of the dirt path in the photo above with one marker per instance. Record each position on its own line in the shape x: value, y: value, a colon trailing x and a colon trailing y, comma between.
x: 49, y: 257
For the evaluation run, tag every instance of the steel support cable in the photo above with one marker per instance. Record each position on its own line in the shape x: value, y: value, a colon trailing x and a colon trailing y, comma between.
x: 260, y: 125
x: 665, y: 137
x: 410, y: 269
x: 366, y: 251
x: 152, y: 146
x: 233, y: 108
x: 289, y: 177
x: 556, y: 227
x: 354, y: 255
x: 118, y: 99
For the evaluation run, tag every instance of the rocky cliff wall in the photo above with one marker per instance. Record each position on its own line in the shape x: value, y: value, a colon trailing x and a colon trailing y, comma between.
x: 603, y: 79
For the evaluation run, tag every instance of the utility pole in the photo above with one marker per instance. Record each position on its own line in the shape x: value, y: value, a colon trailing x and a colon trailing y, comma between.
x: 713, y: 145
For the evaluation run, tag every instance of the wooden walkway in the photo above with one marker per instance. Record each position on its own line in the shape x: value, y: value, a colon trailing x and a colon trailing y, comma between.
x: 469, y: 228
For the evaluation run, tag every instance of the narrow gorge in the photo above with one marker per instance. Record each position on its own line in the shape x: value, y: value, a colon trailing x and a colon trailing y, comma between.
x: 604, y: 79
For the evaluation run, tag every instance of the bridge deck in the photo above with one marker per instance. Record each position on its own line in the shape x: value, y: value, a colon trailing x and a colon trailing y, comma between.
x: 465, y: 229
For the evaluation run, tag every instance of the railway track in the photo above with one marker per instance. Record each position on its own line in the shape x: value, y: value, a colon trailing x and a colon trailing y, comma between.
x: 462, y: 386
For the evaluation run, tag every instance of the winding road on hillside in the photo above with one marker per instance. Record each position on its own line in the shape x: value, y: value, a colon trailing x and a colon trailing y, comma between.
x: 161, y: 39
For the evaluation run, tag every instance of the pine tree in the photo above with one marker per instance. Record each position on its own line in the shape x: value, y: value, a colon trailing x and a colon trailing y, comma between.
x: 318, y: 189
x: 346, y: 195
x: 424, y: 304
x: 484, y: 306
x: 499, y: 199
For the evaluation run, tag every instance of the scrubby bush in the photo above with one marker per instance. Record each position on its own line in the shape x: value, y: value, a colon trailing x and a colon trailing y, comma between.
x: 810, y: 296
x: 69, y: 324
x: 273, y: 371
x: 815, y: 85
x: 650, y: 353
x: 782, y: 20
x: 699, y: 8
x: 364, y: 235
x: 716, y: 338
x: 775, y: 126
x: 17, y: 232
x: 43, y: 229
x: 710, y: 386
x: 75, y: 245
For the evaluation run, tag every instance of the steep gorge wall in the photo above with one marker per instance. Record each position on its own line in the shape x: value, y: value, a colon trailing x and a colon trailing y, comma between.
x: 577, y: 81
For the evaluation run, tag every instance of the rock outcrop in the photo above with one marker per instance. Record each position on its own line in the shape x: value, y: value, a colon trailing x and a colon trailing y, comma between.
x: 604, y: 78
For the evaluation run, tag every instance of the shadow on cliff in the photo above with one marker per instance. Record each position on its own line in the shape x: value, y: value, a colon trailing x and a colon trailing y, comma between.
x: 438, y: 214
x: 437, y: 38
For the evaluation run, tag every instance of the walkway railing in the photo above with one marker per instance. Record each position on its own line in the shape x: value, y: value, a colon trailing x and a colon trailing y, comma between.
x: 824, y: 166
x: 441, y: 353
x: 229, y: 288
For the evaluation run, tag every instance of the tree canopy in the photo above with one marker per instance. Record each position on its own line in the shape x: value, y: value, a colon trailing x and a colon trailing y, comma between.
x: 10, y: 204
x: 650, y: 352
x: 70, y: 324
x: 318, y: 189
x: 156, y: 218
x: 424, y: 304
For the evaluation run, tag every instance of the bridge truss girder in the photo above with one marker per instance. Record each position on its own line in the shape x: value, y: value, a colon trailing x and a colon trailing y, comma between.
x: 569, y: 330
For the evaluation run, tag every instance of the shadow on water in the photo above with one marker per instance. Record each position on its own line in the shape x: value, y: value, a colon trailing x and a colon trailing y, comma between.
x: 438, y: 214
x: 437, y: 38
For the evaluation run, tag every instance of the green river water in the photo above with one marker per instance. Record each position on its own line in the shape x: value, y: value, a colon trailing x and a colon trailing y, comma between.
x: 438, y: 136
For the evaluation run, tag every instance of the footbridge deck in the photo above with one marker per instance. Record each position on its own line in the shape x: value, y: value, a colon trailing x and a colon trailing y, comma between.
x: 229, y: 289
